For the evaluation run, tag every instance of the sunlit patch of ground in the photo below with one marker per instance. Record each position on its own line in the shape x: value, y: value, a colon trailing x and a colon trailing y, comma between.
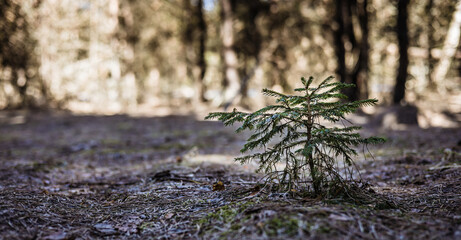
x: 123, y: 177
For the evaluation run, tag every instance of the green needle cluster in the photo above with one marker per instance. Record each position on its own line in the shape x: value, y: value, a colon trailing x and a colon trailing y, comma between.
x: 298, y: 150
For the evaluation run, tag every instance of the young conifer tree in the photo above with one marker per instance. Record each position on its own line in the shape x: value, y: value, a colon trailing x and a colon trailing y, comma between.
x: 298, y: 148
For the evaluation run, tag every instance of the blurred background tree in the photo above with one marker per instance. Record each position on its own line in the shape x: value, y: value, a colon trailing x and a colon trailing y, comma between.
x: 116, y: 55
x: 21, y: 85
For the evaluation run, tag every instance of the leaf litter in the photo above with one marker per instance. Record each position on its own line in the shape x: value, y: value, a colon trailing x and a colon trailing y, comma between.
x: 66, y: 176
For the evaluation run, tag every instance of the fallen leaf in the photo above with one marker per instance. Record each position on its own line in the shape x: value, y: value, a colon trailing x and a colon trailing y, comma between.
x: 219, y: 186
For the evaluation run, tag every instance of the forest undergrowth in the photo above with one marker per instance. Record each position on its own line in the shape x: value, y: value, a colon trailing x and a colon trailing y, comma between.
x: 65, y: 176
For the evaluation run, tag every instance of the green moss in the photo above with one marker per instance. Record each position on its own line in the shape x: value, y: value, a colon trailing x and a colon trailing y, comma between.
x: 226, y: 216
x: 282, y: 225
x: 235, y: 227
x: 202, y: 221
x: 324, y: 229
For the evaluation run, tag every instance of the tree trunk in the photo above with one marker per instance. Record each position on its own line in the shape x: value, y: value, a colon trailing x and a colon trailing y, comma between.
x: 361, y: 73
x: 459, y: 60
x: 449, y: 50
x: 348, y: 42
x: 193, y: 36
x: 339, y: 43
x: 430, y: 41
x: 253, y: 34
x: 188, y: 39
x: 202, y: 27
x: 402, y: 36
x: 130, y: 85
x: 231, y: 75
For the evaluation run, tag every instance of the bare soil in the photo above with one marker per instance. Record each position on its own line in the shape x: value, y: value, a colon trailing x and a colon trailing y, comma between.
x: 65, y: 176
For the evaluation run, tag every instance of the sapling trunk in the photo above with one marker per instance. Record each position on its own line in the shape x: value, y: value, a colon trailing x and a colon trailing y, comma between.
x: 310, y: 156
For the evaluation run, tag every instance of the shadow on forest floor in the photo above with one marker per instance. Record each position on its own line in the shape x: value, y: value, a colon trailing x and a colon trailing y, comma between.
x: 64, y: 176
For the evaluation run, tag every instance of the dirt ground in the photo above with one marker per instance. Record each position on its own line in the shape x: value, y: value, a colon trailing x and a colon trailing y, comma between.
x: 65, y: 176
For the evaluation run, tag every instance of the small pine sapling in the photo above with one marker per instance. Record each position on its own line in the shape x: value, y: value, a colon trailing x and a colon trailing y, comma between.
x: 298, y: 149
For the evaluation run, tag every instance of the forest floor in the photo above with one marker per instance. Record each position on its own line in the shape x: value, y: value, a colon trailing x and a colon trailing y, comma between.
x: 65, y: 176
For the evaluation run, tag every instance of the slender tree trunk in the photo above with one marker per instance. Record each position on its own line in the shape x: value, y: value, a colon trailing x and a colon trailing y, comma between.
x: 449, y: 50
x: 188, y: 39
x: 193, y: 37
x: 459, y: 60
x: 430, y: 42
x: 130, y: 86
x: 310, y: 158
x: 402, y: 36
x: 361, y: 75
x: 255, y: 37
x: 202, y: 27
x: 348, y: 6
x: 231, y: 75
x: 339, y: 42
x: 347, y: 41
